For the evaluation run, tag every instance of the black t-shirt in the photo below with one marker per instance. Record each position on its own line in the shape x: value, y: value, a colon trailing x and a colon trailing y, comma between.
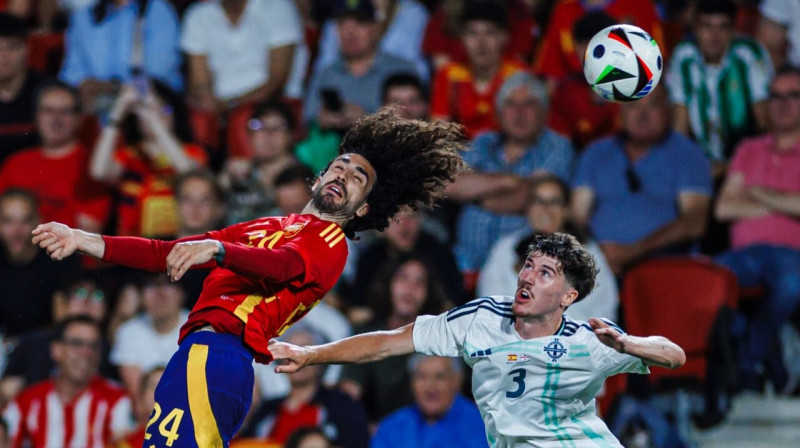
x: 17, y: 125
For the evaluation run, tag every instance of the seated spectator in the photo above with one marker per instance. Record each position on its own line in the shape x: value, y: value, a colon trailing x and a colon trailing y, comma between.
x: 645, y: 191
x: 403, y: 25
x: 69, y: 197
x: 403, y: 236
x: 308, y: 437
x: 155, y: 133
x: 404, y: 288
x: 557, y: 57
x: 18, y: 86
x: 240, y: 53
x: 30, y: 361
x: 116, y: 41
x: 719, y: 83
x: 149, y: 339
x: 250, y: 182
x: 761, y: 199
x: 495, y: 192
x: 580, y: 113
x: 547, y: 212
x: 292, y: 190
x: 144, y: 404
x: 440, y: 416
x: 408, y: 92
x: 97, y: 410
x: 779, y: 31
x: 309, y: 404
x: 443, y: 45
x: 25, y: 297
x: 465, y: 93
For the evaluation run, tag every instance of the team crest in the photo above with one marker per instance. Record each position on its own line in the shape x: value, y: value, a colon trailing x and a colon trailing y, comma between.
x: 555, y: 350
x: 293, y: 229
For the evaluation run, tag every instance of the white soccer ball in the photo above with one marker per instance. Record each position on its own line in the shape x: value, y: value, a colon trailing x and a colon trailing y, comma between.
x: 622, y: 63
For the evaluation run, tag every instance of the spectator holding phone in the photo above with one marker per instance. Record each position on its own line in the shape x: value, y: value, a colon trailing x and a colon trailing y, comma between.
x: 152, y: 119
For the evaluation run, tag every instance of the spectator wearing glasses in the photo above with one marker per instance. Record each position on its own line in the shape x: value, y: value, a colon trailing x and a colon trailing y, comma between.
x: 76, y: 407
x: 645, y: 191
x: 761, y: 199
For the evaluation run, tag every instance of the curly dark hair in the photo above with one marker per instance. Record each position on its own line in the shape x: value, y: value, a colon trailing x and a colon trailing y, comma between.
x: 574, y: 260
x: 414, y: 161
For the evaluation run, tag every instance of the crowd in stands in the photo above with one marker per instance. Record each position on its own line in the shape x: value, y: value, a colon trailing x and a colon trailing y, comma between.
x: 170, y: 118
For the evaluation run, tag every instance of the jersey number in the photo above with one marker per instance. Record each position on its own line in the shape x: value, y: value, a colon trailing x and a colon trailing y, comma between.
x: 173, y: 420
x: 517, y: 376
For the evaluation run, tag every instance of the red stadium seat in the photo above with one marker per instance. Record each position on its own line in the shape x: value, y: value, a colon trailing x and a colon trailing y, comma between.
x: 678, y: 298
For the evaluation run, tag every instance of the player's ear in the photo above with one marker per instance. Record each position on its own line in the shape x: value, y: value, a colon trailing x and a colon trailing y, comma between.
x: 363, y: 210
x: 569, y: 298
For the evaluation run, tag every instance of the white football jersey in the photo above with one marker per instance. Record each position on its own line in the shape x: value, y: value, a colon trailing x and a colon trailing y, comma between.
x: 531, y: 392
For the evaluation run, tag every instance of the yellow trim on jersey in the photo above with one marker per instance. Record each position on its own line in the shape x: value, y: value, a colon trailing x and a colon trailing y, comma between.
x: 330, y: 227
x: 332, y: 235
x: 339, y: 238
x: 206, y: 432
x: 246, y: 307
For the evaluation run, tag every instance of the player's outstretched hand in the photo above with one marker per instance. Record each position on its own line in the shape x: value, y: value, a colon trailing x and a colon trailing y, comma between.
x: 608, y: 335
x: 185, y: 255
x: 57, y: 239
x: 295, y: 357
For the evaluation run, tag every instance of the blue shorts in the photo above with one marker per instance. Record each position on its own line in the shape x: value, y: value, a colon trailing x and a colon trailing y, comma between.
x: 204, y: 393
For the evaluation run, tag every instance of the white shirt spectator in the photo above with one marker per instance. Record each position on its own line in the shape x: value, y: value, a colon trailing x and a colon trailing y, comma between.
x: 786, y: 13
x: 137, y: 343
x: 238, y: 56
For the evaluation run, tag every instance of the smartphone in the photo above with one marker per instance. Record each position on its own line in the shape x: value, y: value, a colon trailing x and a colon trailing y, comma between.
x: 331, y: 100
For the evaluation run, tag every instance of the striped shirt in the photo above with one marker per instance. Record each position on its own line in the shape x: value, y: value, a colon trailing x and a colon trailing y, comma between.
x: 719, y: 99
x: 38, y: 417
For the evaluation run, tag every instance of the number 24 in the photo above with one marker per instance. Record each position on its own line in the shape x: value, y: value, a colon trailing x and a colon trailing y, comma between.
x: 173, y: 419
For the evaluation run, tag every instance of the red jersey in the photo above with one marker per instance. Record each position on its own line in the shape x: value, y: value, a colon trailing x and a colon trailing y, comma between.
x: 557, y: 56
x: 455, y: 98
x: 91, y: 419
x: 61, y: 184
x: 274, y: 271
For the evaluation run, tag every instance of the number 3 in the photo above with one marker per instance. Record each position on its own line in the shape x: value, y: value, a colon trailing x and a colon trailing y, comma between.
x: 520, y: 380
x: 171, y: 433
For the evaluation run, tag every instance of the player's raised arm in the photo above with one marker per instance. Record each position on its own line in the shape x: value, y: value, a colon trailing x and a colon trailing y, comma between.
x: 361, y: 348
x: 653, y: 350
x: 61, y: 241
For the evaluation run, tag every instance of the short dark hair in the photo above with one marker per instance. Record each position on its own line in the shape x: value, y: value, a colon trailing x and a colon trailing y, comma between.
x: 590, y: 24
x: 58, y: 85
x: 295, y: 438
x: 403, y: 80
x: 294, y: 173
x: 276, y: 107
x: 80, y: 319
x: 574, y: 260
x: 414, y: 161
x: 201, y: 174
x: 490, y: 11
x: 726, y: 7
x: 540, y: 180
x: 12, y: 27
x: 21, y: 193
x: 786, y: 70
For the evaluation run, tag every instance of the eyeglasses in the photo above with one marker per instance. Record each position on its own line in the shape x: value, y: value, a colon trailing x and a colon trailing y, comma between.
x: 82, y: 343
x: 258, y: 125
x: 634, y: 183
x: 785, y: 96
x: 83, y: 293
x: 545, y: 202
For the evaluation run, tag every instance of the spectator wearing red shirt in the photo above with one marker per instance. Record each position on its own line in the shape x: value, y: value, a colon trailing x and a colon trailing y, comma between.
x: 579, y: 113
x: 76, y: 407
x: 56, y: 171
x: 465, y: 93
x: 143, y: 170
x: 558, y: 58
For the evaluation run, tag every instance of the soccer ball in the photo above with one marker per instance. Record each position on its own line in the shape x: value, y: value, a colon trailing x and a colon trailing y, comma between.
x: 622, y: 63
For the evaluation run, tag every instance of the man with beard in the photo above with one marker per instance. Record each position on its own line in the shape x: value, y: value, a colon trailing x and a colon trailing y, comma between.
x: 269, y: 272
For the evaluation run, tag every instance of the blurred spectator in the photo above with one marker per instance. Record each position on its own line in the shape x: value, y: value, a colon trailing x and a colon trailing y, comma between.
x: 30, y: 361
x: 443, y: 45
x: 548, y: 212
x: 292, y: 189
x: 144, y: 404
x: 495, y: 192
x: 465, y: 93
x: 309, y: 404
x: 76, y: 407
x: 69, y: 197
x: 18, y: 87
x: 440, y: 416
x: 403, y: 236
x: 779, y: 31
x: 29, y: 277
x: 240, y: 52
x: 761, y: 198
x: 5, y: 441
x: 557, y: 56
x: 308, y: 437
x: 149, y: 339
x: 408, y: 92
x: 719, y: 83
x: 402, y: 25
x: 250, y: 182
x: 117, y: 41
x: 580, y: 113
x: 404, y: 288
x: 645, y: 191
x: 155, y: 135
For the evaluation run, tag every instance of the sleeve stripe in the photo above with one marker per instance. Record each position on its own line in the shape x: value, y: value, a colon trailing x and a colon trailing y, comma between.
x: 474, y: 310
x: 339, y: 238
x: 486, y: 301
x: 332, y: 235
x: 327, y: 230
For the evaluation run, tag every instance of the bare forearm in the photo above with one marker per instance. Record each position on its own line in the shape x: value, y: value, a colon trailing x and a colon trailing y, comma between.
x: 785, y: 203
x: 735, y: 209
x: 90, y: 244
x: 680, y: 230
x: 476, y: 186
x: 655, y: 350
x: 102, y: 164
x: 365, y: 347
